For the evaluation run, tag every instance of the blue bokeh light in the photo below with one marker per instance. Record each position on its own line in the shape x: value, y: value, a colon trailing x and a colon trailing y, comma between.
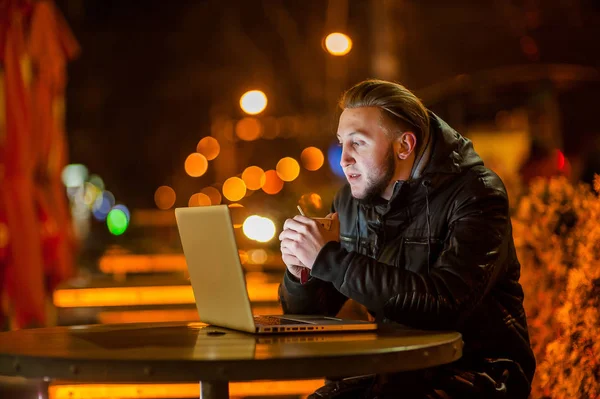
x: 334, y: 155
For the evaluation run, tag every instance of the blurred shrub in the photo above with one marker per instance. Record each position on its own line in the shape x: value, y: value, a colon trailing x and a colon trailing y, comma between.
x: 557, y: 234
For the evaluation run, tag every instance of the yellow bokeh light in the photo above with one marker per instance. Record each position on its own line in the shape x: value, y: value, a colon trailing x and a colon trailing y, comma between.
x: 199, y: 199
x: 209, y: 147
x: 164, y: 197
x: 312, y: 158
x: 234, y: 189
x: 258, y: 256
x: 287, y: 169
x: 196, y: 164
x: 253, y: 102
x: 254, y: 177
x: 213, y: 194
x: 338, y: 44
x: 273, y: 184
x: 248, y: 129
x: 259, y: 228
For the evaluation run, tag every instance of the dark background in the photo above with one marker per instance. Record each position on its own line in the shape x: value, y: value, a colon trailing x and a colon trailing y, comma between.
x: 152, y: 73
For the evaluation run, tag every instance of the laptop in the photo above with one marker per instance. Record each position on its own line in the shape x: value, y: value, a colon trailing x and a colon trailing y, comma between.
x: 218, y: 282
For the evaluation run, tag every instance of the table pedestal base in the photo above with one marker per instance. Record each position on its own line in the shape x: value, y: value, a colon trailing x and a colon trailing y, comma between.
x: 214, y: 390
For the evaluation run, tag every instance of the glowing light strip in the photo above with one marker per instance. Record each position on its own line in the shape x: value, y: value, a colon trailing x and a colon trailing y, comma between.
x: 141, y: 391
x: 153, y: 295
x: 142, y: 263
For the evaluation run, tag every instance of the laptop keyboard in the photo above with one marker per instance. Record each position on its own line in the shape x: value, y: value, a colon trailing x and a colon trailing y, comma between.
x: 274, y: 321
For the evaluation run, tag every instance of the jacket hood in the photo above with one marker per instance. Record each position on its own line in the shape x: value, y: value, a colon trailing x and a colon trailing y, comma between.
x: 451, y: 152
x: 450, y: 155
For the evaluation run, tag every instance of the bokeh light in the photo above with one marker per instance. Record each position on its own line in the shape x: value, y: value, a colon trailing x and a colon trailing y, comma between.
x: 287, y: 169
x: 196, y: 164
x: 90, y: 194
x: 103, y: 205
x: 338, y: 44
x: 312, y: 158
x: 259, y: 228
x: 334, y: 156
x: 199, y: 199
x: 74, y: 175
x: 97, y: 181
x: 213, y: 194
x: 123, y: 209
x: 273, y: 184
x: 258, y: 256
x: 117, y: 222
x: 254, y: 177
x: 234, y: 189
x: 164, y: 197
x: 311, y: 203
x: 248, y: 129
x: 209, y: 147
x: 253, y: 102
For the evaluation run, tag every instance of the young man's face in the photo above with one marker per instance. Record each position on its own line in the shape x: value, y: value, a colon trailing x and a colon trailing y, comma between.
x: 368, y: 156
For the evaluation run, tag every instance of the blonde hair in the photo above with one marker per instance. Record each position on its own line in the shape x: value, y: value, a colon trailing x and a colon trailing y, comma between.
x: 401, y: 106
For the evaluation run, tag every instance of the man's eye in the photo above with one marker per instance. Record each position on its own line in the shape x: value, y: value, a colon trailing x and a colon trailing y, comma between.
x: 355, y: 144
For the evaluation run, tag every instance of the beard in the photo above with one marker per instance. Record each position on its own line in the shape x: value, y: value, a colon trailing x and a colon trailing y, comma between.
x: 376, y: 185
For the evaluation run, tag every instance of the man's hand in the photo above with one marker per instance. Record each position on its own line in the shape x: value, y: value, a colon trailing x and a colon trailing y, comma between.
x: 302, y: 238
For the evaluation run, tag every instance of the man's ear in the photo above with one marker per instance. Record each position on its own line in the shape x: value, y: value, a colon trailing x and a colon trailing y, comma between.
x: 405, y: 145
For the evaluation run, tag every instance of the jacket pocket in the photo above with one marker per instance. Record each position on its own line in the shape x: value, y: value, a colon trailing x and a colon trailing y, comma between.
x: 415, y: 252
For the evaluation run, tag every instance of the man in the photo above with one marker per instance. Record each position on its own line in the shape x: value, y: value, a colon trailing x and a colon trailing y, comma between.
x: 424, y: 239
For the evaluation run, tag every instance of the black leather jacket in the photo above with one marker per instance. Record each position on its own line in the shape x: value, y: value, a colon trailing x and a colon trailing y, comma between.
x: 438, y: 255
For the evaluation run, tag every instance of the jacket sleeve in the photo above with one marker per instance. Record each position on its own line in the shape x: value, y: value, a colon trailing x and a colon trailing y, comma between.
x: 313, y: 297
x: 475, y: 247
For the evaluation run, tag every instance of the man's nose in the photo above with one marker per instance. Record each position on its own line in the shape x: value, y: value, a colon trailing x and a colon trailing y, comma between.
x: 346, y: 159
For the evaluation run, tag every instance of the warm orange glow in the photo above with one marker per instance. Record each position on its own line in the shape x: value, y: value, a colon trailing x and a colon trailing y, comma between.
x: 234, y: 189
x: 152, y: 217
x: 209, y: 147
x: 196, y: 164
x: 199, y: 199
x: 273, y: 184
x: 238, y: 215
x: 121, y: 264
x: 151, y: 295
x: 213, y: 194
x: 311, y: 201
x: 253, y: 102
x: 338, y: 44
x: 4, y: 235
x: 181, y: 390
x: 164, y: 197
x: 248, y: 129
x: 312, y: 158
x: 288, y: 169
x: 143, y: 316
x: 254, y: 177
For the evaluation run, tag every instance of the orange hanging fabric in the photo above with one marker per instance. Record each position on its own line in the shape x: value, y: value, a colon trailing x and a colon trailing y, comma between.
x: 51, y: 46
x: 24, y: 274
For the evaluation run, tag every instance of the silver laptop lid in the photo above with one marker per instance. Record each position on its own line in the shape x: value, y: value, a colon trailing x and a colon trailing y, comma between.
x: 213, y: 263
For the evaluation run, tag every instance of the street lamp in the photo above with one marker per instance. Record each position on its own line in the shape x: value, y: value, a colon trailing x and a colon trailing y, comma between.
x: 338, y: 44
x: 253, y: 102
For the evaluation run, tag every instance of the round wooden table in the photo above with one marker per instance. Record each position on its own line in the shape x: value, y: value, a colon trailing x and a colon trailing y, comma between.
x: 178, y: 352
